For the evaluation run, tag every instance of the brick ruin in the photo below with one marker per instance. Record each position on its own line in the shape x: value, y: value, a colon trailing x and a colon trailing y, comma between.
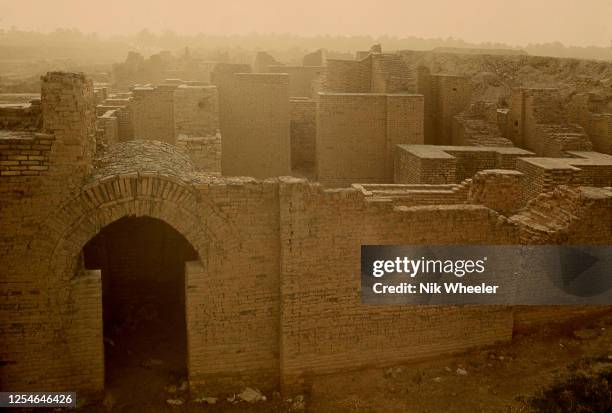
x: 265, y: 268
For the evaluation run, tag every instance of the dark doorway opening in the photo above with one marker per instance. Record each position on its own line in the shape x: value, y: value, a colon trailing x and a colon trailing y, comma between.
x: 142, y: 261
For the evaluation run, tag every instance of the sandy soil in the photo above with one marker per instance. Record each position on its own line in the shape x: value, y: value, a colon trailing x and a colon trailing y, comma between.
x: 500, y: 378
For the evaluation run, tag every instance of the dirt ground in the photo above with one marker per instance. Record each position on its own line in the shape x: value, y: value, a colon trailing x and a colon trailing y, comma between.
x: 502, y: 378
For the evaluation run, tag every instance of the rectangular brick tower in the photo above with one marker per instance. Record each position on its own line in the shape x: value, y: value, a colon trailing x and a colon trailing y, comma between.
x: 255, y: 125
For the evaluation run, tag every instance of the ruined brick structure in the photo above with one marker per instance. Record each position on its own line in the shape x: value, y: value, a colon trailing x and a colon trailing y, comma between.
x: 538, y: 122
x: 374, y: 73
x: 270, y: 267
x: 445, y: 97
x: 478, y: 126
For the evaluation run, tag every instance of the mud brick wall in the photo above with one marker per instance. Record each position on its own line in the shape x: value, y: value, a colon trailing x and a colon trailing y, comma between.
x: 303, y: 133
x: 108, y: 129
x: 424, y: 88
x: 204, y: 152
x: 469, y: 163
x: 46, y: 319
x: 21, y: 117
x: 301, y: 78
x: 255, y: 125
x: 584, y: 168
x: 451, y: 95
x: 600, y: 132
x: 374, y: 73
x: 196, y: 110
x: 515, y: 128
x: 83, y: 330
x: 238, y: 302
x: 152, y: 112
x: 498, y: 189
x: 404, y: 125
x: 357, y: 133
x: 390, y: 74
x: 348, y: 76
x: 431, y: 167
x: 433, y: 164
x: 544, y: 174
x: 24, y: 154
x: 324, y: 327
x: 125, y: 124
x: 274, y: 292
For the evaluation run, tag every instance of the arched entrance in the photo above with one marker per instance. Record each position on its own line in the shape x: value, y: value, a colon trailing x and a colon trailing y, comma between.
x: 142, y: 263
x: 102, y: 203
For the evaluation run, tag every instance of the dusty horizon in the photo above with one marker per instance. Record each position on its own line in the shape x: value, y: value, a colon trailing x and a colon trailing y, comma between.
x: 516, y: 23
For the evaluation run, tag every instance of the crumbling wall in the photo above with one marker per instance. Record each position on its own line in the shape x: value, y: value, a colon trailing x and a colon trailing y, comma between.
x: 498, y: 189
x: 539, y: 123
x: 478, y: 126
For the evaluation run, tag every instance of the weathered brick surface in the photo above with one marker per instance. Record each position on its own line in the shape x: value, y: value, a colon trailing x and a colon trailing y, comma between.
x: 196, y: 110
x: 438, y: 164
x: 357, y: 134
x: 204, y: 152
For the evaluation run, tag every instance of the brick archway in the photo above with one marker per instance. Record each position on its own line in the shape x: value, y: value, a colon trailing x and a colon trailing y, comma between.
x: 139, y: 194
x: 100, y: 203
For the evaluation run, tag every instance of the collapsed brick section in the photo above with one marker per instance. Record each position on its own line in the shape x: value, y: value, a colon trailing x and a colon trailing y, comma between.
x: 478, y: 126
x: 538, y: 122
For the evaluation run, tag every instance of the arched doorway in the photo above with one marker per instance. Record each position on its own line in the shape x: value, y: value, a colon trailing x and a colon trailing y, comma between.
x: 142, y: 262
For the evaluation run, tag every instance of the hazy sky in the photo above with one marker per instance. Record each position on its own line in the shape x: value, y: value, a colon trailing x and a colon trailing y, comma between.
x: 517, y: 22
